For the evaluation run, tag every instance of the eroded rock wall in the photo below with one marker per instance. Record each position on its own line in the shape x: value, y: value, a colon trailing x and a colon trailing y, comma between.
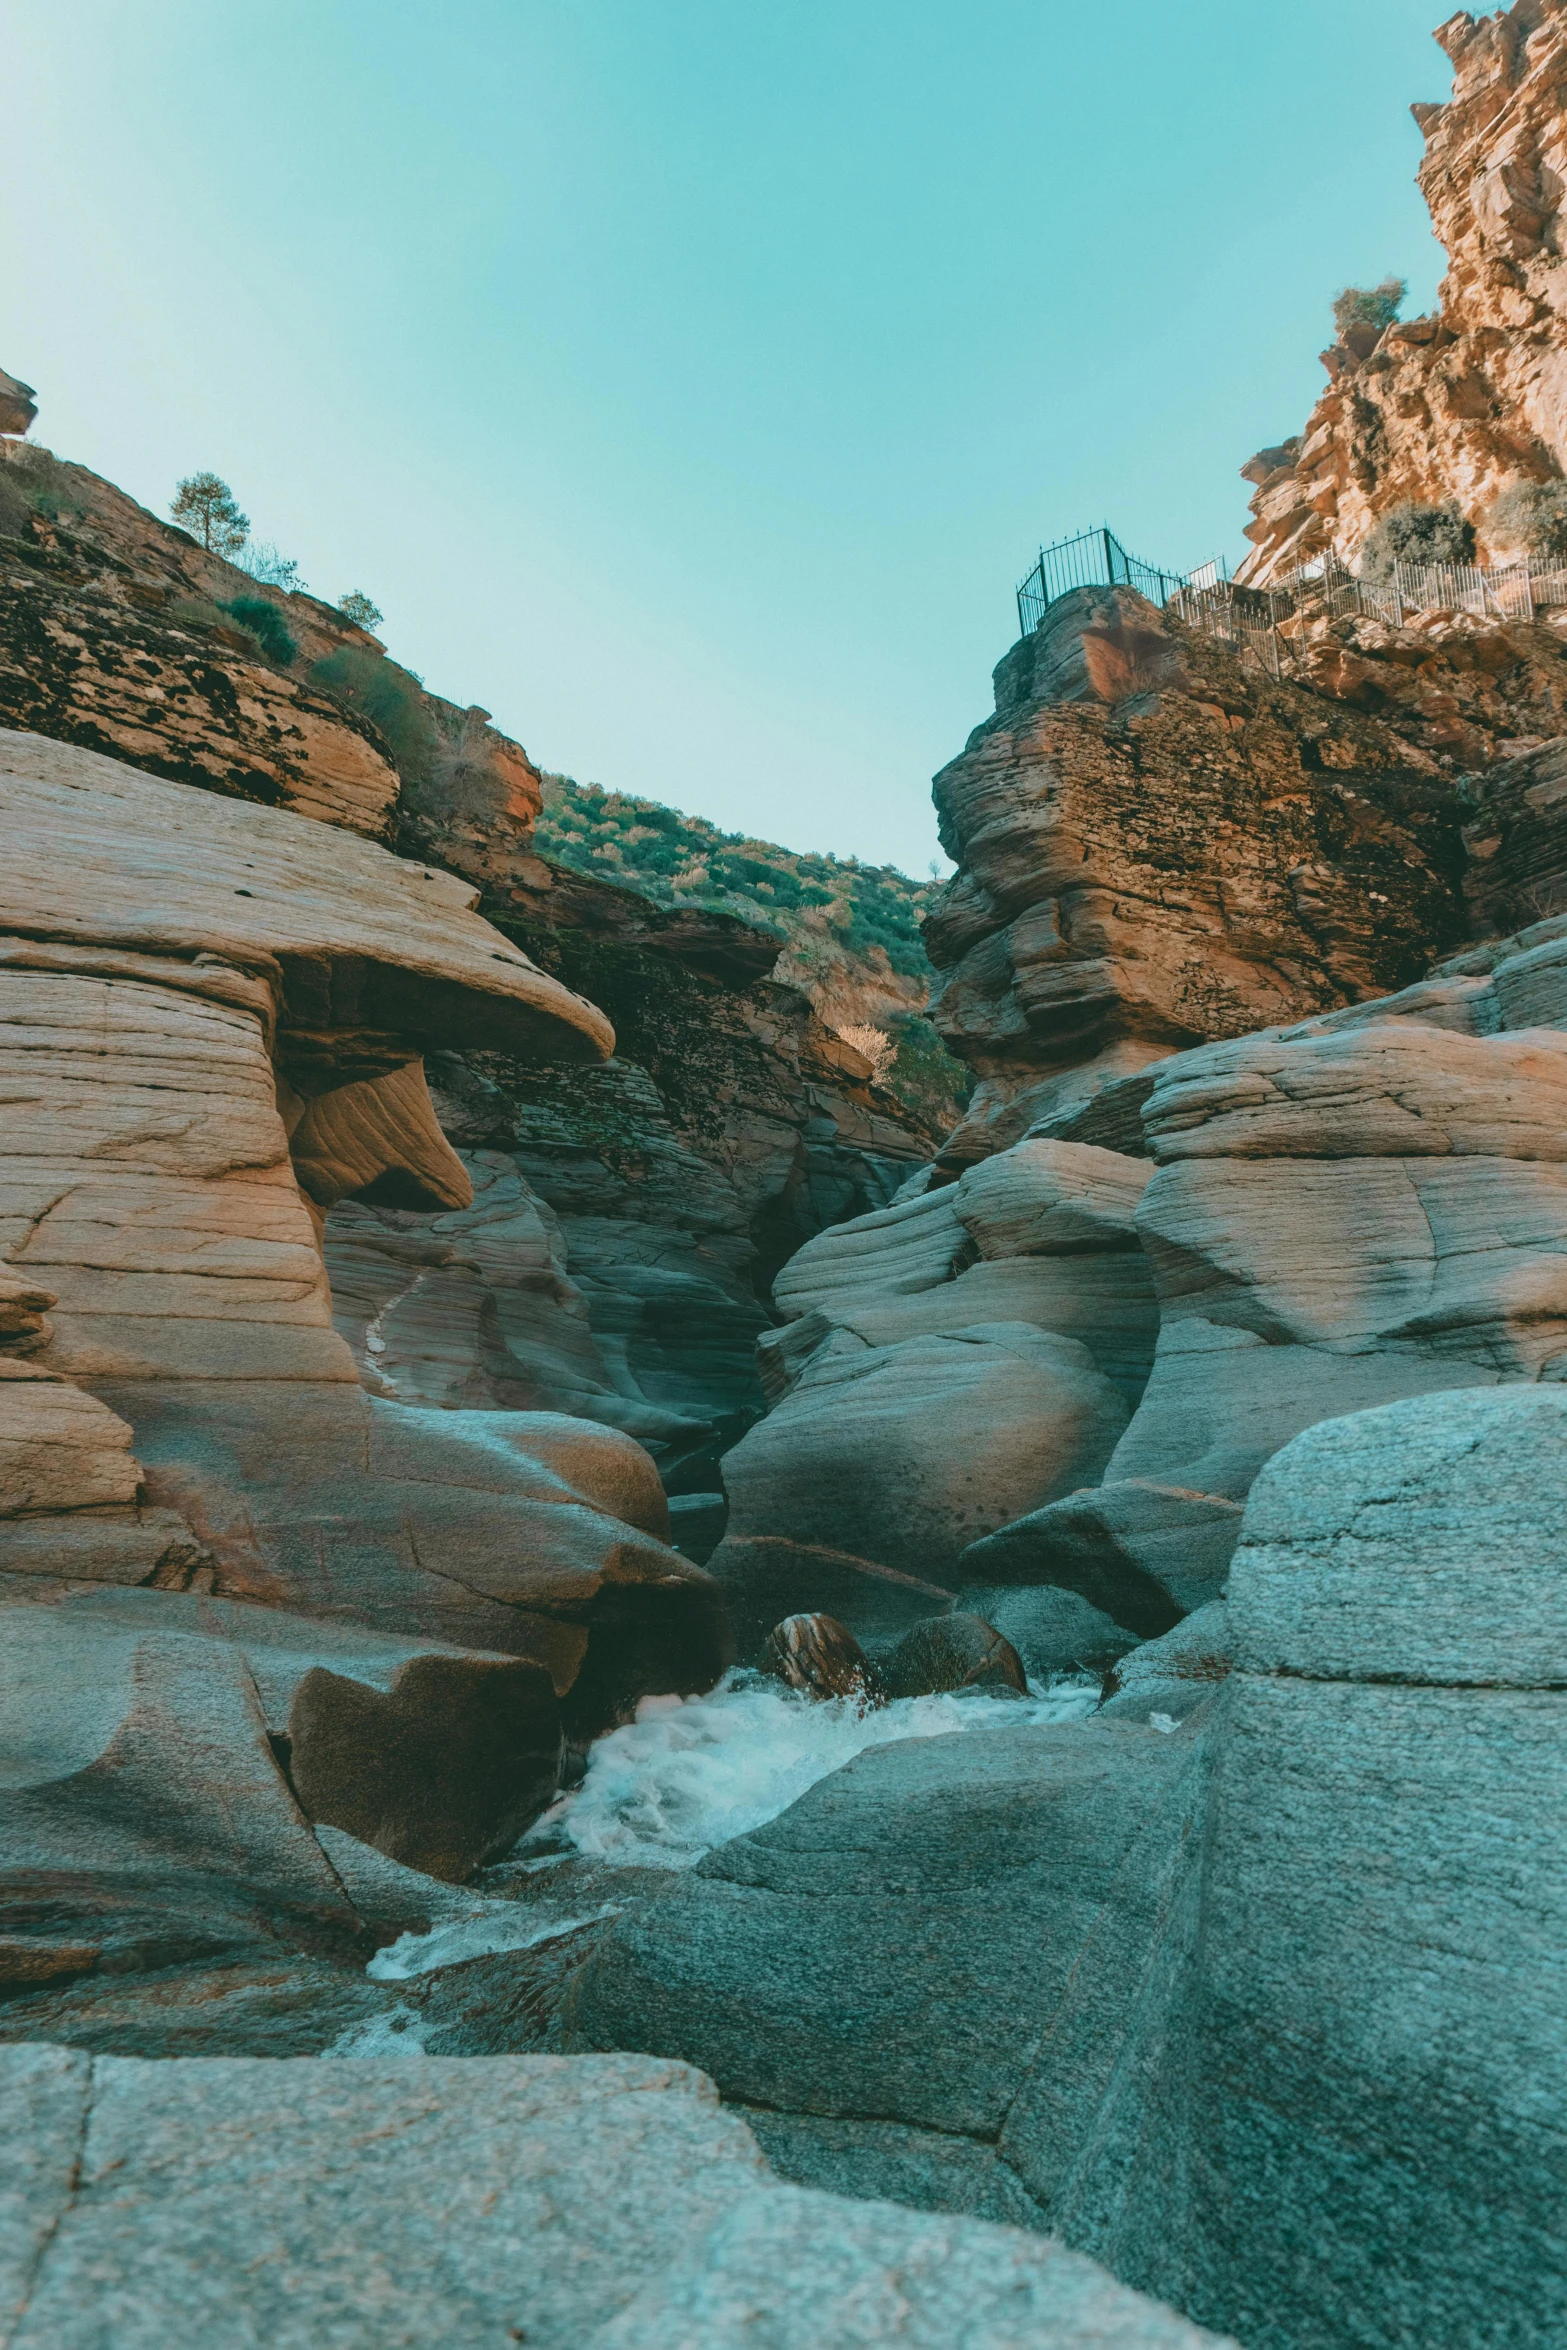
x: 1473, y: 400
x: 1158, y: 843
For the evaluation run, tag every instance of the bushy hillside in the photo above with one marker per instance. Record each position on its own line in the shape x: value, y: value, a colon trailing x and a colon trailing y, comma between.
x: 670, y: 857
x: 849, y: 932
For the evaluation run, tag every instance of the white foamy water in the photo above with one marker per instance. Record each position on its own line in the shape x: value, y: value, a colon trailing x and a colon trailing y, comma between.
x: 690, y: 1773
x: 497, y: 1926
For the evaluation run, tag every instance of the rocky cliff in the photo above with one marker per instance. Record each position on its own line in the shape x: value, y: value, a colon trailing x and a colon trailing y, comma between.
x: 659, y: 1196
x: 1467, y: 403
x: 1216, y: 1377
x: 1157, y: 843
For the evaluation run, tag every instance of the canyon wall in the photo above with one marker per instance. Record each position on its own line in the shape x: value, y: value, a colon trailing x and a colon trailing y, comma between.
x: 644, y: 1207
x: 1464, y: 404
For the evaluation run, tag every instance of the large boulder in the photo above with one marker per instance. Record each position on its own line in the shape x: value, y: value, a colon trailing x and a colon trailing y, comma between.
x: 862, y: 1488
x: 1043, y: 1233
x: 946, y: 1940
x: 898, y: 1433
x: 1343, y: 1215
x: 1261, y: 2006
x: 1373, y: 2042
x: 169, y: 1759
x: 592, y: 2203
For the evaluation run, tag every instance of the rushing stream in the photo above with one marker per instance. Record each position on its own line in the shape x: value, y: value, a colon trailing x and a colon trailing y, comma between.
x: 690, y: 1773
x: 663, y: 1790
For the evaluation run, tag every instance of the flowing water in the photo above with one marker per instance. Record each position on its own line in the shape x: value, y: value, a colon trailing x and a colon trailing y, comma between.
x: 663, y: 1791
x: 690, y: 1773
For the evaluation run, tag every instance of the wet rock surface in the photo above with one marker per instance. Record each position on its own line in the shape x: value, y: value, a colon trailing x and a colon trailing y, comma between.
x: 820, y: 1657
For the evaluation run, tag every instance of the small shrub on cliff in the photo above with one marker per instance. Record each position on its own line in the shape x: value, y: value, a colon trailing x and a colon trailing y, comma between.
x: 34, y: 482
x: 390, y: 698
x: 875, y: 1044
x: 205, y: 507
x: 463, y: 778
x: 1417, y: 534
x: 266, y: 624
x: 1373, y: 306
x: 1532, y: 515
x: 14, y: 509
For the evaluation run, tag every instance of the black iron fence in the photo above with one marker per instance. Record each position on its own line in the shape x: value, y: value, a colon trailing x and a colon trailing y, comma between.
x: 1272, y: 621
x: 1095, y: 558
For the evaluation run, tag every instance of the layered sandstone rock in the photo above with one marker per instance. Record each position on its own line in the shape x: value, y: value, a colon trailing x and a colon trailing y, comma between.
x: 1158, y: 844
x: 17, y: 404
x: 662, y: 1190
x: 1465, y: 404
x: 936, y: 1358
x: 176, y: 966
x: 627, y: 1216
x: 118, y: 638
x: 1338, y: 1219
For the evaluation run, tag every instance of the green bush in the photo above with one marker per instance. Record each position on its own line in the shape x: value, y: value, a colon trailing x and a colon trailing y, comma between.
x: 266, y: 624
x: 359, y: 608
x: 1532, y: 515
x: 1375, y: 306
x: 1416, y: 534
x: 390, y: 698
x: 14, y: 508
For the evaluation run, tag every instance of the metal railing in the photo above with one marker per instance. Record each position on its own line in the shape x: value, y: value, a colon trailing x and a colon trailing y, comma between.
x: 1209, y: 600
x: 1095, y: 558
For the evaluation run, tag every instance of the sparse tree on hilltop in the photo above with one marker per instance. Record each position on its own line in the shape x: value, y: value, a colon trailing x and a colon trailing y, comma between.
x: 205, y: 507
x: 357, y: 607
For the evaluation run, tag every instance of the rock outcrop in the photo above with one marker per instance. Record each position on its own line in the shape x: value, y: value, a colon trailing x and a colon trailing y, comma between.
x: 628, y: 1216
x: 1160, y: 844
x: 1460, y: 406
x: 591, y: 2203
x: 937, y: 1357
x: 1366, y: 1208
x: 1240, y: 1993
x: 651, y: 1199
x: 18, y: 407
x: 184, y: 981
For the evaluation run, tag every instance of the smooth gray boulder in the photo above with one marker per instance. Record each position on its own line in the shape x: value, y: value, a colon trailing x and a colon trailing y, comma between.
x: 1140, y: 1554
x: 1056, y: 1633
x: 1373, y: 2042
x: 1425, y: 1543
x: 858, y: 1492
x: 600, y: 2203
x: 913, y: 1938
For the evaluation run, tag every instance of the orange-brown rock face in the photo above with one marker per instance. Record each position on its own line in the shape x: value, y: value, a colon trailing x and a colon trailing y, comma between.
x: 1463, y: 405
x: 1157, y: 844
x: 116, y: 637
x: 17, y: 405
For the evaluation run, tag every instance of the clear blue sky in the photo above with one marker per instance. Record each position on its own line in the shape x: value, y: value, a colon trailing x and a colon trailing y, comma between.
x: 691, y: 380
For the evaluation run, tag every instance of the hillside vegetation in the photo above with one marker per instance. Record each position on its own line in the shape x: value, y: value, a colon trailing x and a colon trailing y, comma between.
x: 849, y: 933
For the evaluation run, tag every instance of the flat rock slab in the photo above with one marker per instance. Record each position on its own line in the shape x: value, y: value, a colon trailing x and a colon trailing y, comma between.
x: 586, y: 2203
